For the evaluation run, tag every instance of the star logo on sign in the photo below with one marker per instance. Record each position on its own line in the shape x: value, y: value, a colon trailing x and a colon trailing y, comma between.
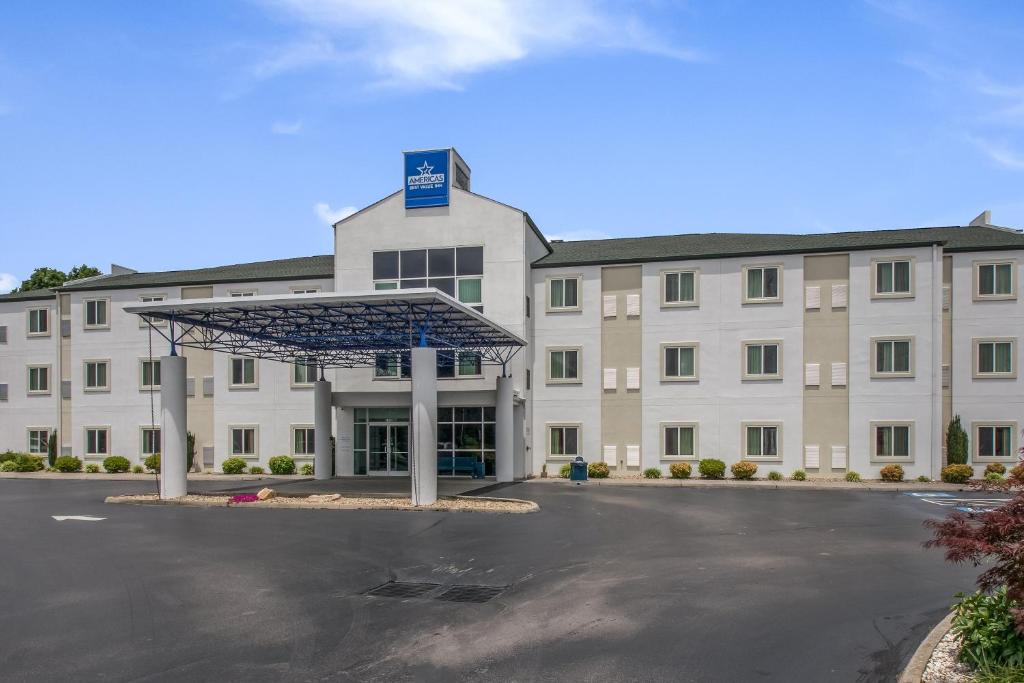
x: 425, y: 169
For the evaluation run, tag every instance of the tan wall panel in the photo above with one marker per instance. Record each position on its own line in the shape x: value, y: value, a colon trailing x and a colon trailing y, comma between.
x: 200, y: 364
x: 947, y: 352
x: 621, y: 348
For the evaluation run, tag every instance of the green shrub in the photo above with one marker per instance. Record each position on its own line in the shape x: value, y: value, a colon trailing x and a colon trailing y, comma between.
x: 92, y: 468
x: 744, y: 469
x: 564, y: 471
x: 8, y: 466
x: 711, y: 469
x: 68, y: 463
x: 956, y: 474
x: 986, y: 626
x: 956, y: 443
x: 116, y: 464
x: 997, y: 467
x: 998, y: 674
x: 923, y: 479
x: 282, y: 464
x: 1018, y: 472
x: 652, y: 473
x: 23, y: 462
x: 852, y: 476
x: 152, y: 462
x: 775, y: 476
x: 256, y: 469
x: 7, y: 456
x: 233, y: 466
x: 891, y: 473
x: 306, y: 470
x: 138, y: 469
x: 598, y: 470
x: 680, y: 470
x: 993, y: 476
x: 799, y: 475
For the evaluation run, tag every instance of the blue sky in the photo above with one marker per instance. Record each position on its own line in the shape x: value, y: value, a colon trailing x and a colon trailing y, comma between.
x: 193, y: 133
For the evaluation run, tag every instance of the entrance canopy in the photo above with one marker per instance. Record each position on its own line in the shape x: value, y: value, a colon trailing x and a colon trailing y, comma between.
x: 331, y: 330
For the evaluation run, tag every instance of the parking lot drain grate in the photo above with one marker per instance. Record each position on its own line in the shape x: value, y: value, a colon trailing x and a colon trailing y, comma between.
x: 402, y: 589
x: 471, y: 593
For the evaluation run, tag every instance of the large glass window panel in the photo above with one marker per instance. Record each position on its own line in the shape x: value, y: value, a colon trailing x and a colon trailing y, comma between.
x: 414, y: 284
x: 771, y: 283
x: 490, y: 441
x: 987, y: 280
x: 468, y: 414
x: 1003, y: 438
x: 444, y: 284
x: 1003, y: 357
x: 686, y: 288
x: 1004, y: 278
x: 468, y: 436
x: 571, y: 293
x: 671, y: 362
x: 771, y: 359
x: 469, y: 261
x: 557, y: 293
x: 470, y: 290
x: 901, y: 276
x: 685, y: 441
x: 557, y: 365
x: 883, y: 441
x: 381, y: 286
x: 901, y: 441
x: 571, y: 369
x: 753, y: 441
x: 385, y: 265
x: 441, y: 262
x: 413, y: 263
x: 901, y: 356
x: 754, y: 366
x: 883, y: 277
x: 770, y: 437
x: 470, y: 364
x: 755, y: 283
x: 883, y: 357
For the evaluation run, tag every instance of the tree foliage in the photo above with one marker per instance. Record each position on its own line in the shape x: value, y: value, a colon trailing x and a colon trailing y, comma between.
x: 48, y: 278
x: 78, y: 272
x: 956, y: 443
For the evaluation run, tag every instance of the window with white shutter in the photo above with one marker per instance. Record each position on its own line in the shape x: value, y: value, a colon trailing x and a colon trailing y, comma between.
x: 812, y: 298
x: 812, y: 374
x: 611, y: 453
x: 632, y: 379
x: 947, y: 297
x: 839, y: 457
x: 946, y: 376
x: 610, y: 379
x: 633, y: 455
x: 610, y: 306
x: 839, y: 374
x: 632, y: 305
x: 839, y: 296
x: 812, y: 457
x: 207, y: 386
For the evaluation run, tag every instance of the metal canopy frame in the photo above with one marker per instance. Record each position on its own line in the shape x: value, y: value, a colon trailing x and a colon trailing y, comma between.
x: 329, y: 329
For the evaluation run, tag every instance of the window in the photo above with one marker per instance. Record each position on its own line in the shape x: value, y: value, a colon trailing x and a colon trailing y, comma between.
x: 148, y: 299
x: 39, y: 322
x: 149, y: 374
x: 679, y: 440
x: 529, y: 379
x: 97, y: 313
x: 243, y: 441
x: 763, y: 284
x: 995, y: 358
x: 38, y: 440
x: 893, y: 278
x: 39, y: 379
x: 994, y: 441
x: 243, y: 372
x: 97, y: 441
x: 762, y: 441
x: 396, y: 365
x: 470, y: 290
x: 679, y: 288
x: 564, y: 293
x: 304, y: 374
x: 891, y: 441
x: 470, y: 365
x: 150, y: 440
x: 97, y: 375
x: 385, y: 284
x: 563, y: 441
x: 305, y: 290
x: 762, y: 360
x: 302, y: 440
x: 995, y: 280
x: 679, y: 361
x: 456, y: 271
x: 243, y: 292
x: 527, y: 307
x: 564, y: 365
x: 465, y: 431
x: 893, y: 357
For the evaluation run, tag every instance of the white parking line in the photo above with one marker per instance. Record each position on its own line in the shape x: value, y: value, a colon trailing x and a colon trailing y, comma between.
x: 78, y: 518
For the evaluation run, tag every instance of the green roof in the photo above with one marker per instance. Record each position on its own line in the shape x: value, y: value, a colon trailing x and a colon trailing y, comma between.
x: 728, y: 244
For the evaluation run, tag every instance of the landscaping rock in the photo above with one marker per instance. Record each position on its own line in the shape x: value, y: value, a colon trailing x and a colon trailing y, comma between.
x: 266, y: 494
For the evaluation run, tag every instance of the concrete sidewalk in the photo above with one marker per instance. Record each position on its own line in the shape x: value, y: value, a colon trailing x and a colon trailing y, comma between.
x: 808, y: 485
x: 128, y: 476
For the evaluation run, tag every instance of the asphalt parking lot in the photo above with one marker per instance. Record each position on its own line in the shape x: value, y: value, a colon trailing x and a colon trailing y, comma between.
x: 603, y: 584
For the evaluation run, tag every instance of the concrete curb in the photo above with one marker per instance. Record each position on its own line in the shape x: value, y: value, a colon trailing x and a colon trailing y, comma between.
x: 301, y: 503
x: 810, y: 485
x: 127, y: 476
x: 915, y: 668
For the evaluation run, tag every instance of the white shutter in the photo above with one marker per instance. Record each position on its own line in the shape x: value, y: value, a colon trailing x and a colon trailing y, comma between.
x: 610, y: 378
x: 632, y: 379
x: 812, y: 298
x: 812, y: 374
x: 609, y: 306
x: 945, y: 376
x: 611, y: 453
x: 632, y: 305
x: 190, y: 386
x: 839, y: 296
x: 812, y: 457
x: 839, y: 457
x: 947, y: 297
x: 839, y: 374
x: 207, y: 386
x: 633, y: 455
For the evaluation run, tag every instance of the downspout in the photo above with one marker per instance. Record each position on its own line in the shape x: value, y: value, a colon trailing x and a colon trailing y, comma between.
x: 936, y: 374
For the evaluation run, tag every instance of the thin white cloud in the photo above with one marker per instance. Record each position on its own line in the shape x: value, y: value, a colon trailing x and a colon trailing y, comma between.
x: 575, y: 235
x: 331, y: 216
x: 286, y: 127
x: 999, y: 153
x: 8, y: 282
x: 436, y: 44
x: 5, y: 109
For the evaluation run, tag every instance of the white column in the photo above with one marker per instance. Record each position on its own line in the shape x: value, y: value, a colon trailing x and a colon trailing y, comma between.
x: 343, y: 456
x: 504, y: 455
x: 423, y: 459
x: 321, y: 429
x: 173, y: 427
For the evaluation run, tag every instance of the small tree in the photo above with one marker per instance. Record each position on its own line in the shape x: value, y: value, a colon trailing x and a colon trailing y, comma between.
x: 190, y: 449
x: 51, y: 449
x: 79, y: 272
x: 956, y: 443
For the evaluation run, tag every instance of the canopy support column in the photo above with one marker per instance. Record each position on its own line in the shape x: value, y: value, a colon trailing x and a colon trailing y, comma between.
x: 423, y: 463
x: 173, y: 427
x: 322, y: 429
x: 504, y: 456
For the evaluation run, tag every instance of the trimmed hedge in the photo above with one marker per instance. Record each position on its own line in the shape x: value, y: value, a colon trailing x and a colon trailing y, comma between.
x: 997, y: 467
x: 852, y: 476
x: 138, y: 469
x: 92, y: 468
x: 891, y: 473
x: 255, y: 469
x: 775, y: 476
x: 680, y: 470
x: 652, y: 473
x: 1018, y: 472
x: 711, y: 469
x: 22, y: 462
x: 8, y: 466
x: 152, y: 463
x: 281, y: 464
x: 306, y: 470
x: 799, y: 475
x: 116, y: 464
x: 233, y: 466
x: 956, y: 474
x: 744, y: 469
x: 67, y: 463
x: 598, y: 470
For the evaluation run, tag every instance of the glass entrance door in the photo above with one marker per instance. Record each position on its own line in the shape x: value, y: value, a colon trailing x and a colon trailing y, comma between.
x: 388, y: 450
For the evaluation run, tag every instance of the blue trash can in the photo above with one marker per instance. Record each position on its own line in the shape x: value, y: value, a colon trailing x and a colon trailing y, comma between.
x: 578, y: 469
x: 478, y: 470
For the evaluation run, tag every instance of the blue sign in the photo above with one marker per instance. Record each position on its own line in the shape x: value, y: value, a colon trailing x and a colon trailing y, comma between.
x: 426, y: 179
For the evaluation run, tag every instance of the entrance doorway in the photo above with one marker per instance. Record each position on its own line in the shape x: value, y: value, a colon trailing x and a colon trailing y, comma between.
x: 388, y: 450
